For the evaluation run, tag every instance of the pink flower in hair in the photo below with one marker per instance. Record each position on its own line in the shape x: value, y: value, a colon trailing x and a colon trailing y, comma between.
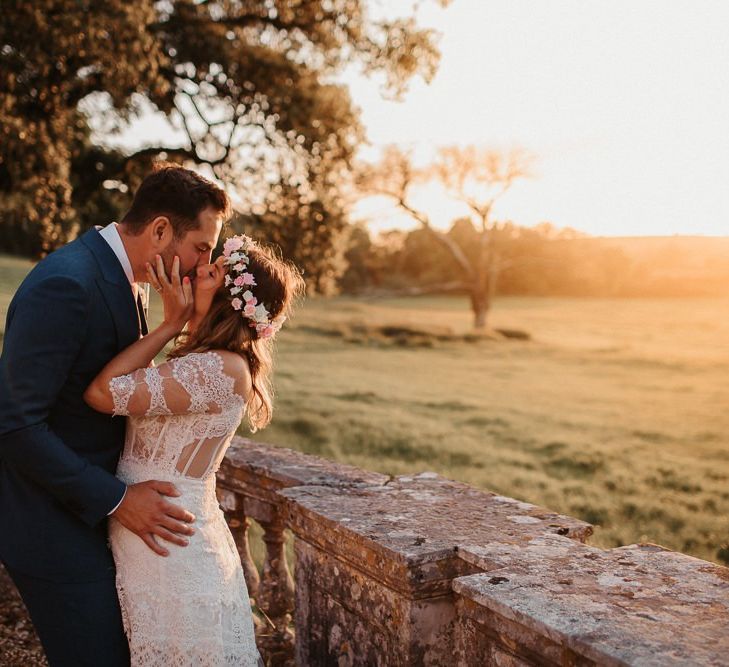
x: 237, y: 303
x: 248, y: 279
x: 231, y: 245
x: 239, y: 282
x: 239, y: 267
x: 267, y: 332
x: 249, y: 310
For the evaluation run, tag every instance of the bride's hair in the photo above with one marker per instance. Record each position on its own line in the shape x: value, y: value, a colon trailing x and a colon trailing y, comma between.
x: 278, y: 285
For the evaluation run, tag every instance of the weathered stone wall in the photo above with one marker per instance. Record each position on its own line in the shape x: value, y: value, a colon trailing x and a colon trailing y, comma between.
x: 422, y: 570
x: 389, y: 554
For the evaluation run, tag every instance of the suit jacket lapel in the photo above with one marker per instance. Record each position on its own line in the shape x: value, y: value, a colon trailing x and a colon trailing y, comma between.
x: 114, y: 288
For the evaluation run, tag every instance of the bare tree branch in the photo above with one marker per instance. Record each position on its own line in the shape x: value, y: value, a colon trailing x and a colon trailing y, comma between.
x: 393, y: 178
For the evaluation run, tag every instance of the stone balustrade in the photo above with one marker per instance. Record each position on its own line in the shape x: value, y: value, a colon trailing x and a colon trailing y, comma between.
x: 422, y: 570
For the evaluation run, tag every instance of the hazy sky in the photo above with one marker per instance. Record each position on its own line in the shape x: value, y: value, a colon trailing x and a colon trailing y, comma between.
x: 625, y: 103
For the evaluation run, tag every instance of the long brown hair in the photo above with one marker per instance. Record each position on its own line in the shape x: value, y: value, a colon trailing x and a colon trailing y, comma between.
x: 278, y: 285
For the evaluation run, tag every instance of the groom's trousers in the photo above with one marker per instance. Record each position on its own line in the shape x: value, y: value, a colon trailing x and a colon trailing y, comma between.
x: 79, y: 624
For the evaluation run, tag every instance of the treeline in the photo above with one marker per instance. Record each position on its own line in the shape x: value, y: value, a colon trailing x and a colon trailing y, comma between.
x: 539, y: 261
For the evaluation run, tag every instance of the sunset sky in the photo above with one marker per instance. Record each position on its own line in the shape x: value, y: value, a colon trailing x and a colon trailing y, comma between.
x: 624, y: 103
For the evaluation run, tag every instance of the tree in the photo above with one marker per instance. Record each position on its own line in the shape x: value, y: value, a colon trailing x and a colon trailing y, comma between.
x: 362, y: 272
x: 476, y: 177
x: 247, y: 84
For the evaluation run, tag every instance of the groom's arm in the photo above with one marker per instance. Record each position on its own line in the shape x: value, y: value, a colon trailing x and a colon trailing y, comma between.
x: 43, y: 338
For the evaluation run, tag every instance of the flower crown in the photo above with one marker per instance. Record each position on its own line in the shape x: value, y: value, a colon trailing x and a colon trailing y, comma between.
x: 238, y: 278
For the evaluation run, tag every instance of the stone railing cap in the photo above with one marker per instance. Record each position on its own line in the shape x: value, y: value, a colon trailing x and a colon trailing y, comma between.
x: 422, y: 516
x: 278, y: 467
x: 639, y: 604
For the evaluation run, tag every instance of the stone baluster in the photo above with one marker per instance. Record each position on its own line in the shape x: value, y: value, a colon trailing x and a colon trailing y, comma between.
x: 233, y: 505
x: 276, y: 595
x: 239, y: 524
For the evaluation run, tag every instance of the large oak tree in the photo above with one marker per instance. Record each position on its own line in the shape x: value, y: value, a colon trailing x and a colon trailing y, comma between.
x: 249, y: 86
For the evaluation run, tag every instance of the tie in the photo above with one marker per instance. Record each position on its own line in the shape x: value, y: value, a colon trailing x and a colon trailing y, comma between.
x: 143, y: 329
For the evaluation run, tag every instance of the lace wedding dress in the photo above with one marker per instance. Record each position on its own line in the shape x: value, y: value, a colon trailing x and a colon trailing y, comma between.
x: 191, y: 607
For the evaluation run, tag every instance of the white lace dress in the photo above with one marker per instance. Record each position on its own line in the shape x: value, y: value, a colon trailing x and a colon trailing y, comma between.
x: 191, y: 607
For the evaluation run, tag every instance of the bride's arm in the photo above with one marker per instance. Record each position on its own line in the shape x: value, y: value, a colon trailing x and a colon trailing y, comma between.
x: 178, y: 306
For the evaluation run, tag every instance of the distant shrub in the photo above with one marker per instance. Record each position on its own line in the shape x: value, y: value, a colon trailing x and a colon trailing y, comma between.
x: 597, y: 516
x: 580, y: 464
x: 668, y: 479
x: 723, y: 553
x: 404, y: 335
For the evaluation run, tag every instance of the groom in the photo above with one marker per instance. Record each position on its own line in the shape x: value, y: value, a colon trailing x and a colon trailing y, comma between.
x: 75, y: 311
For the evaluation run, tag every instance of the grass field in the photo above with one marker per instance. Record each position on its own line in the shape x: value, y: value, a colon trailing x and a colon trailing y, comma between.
x: 615, y: 412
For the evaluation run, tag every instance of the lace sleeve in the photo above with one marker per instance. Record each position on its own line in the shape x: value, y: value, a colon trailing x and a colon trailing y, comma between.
x: 195, y: 383
x: 121, y: 389
x: 141, y: 392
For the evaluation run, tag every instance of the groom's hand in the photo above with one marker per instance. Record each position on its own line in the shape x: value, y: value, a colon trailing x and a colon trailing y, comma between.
x: 146, y: 513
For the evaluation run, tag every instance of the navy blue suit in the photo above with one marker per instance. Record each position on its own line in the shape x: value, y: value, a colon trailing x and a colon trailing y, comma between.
x: 70, y: 316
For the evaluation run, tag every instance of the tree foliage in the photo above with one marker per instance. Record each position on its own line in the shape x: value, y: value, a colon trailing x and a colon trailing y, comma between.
x: 310, y: 230
x: 248, y: 85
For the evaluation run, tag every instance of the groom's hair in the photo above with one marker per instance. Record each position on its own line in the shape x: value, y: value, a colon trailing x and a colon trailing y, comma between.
x: 179, y: 194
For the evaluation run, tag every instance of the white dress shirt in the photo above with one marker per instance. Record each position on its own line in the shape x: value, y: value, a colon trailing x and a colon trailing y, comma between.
x: 110, y: 234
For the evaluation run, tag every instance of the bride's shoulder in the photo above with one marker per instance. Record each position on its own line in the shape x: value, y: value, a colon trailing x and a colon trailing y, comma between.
x: 211, y: 364
x: 215, y: 357
x: 231, y: 360
x: 235, y: 366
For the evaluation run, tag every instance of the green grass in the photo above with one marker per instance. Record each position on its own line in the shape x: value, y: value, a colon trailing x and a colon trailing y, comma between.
x: 615, y: 412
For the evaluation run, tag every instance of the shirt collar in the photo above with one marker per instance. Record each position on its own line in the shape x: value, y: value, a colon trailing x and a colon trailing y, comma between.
x: 110, y: 234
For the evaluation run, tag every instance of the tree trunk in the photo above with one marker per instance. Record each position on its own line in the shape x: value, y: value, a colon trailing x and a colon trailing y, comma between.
x: 483, y: 295
x: 480, y: 305
x: 494, y: 272
x: 481, y: 291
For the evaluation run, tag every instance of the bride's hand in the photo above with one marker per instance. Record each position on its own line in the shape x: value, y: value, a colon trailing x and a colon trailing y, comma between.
x: 176, y: 294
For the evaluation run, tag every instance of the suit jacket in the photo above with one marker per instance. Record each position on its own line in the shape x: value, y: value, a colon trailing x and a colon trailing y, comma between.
x: 70, y: 316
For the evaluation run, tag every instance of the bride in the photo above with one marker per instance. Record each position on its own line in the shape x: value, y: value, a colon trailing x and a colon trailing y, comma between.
x: 189, y: 605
